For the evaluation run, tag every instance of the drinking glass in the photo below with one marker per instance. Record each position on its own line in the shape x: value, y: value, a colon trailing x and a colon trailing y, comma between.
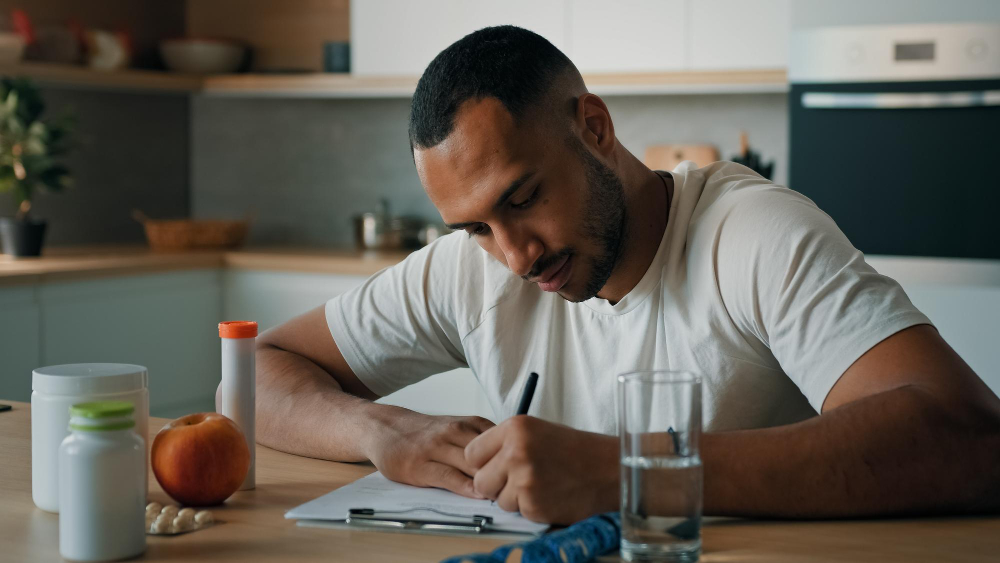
x: 659, y: 423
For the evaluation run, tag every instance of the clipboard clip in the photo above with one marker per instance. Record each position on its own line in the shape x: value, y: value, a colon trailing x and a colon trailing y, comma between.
x: 367, y: 517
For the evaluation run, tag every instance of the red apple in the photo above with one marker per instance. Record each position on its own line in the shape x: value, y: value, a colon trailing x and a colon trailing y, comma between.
x: 200, y: 459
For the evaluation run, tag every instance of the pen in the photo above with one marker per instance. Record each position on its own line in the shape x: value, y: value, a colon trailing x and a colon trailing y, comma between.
x: 527, y: 393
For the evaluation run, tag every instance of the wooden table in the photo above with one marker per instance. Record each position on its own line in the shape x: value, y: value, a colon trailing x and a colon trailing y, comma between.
x: 255, y: 528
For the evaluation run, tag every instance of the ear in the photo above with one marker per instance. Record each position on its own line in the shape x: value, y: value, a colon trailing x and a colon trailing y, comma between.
x: 595, y: 123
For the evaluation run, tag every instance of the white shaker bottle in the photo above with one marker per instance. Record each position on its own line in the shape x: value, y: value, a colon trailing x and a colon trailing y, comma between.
x: 54, y: 390
x: 102, y: 484
x: 239, y: 381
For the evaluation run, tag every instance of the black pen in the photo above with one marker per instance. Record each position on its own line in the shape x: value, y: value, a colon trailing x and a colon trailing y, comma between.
x: 527, y: 393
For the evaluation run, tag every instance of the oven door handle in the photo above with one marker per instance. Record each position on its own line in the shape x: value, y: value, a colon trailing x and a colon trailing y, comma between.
x: 900, y: 100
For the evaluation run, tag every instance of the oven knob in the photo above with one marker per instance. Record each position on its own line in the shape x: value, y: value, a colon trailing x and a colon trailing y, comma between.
x: 855, y: 52
x: 976, y: 49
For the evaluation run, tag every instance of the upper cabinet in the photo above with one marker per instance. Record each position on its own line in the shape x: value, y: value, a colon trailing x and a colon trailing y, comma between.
x: 627, y: 35
x: 738, y: 34
x: 400, y: 37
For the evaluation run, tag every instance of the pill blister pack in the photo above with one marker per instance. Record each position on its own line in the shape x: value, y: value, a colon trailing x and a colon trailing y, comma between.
x: 172, y: 520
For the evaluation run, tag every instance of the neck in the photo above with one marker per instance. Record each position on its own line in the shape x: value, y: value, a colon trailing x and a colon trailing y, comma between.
x: 647, y: 202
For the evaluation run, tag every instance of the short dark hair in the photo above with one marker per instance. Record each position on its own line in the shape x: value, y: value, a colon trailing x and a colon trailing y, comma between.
x: 511, y: 64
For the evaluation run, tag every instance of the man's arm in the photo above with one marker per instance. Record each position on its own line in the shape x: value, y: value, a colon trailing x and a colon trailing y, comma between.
x: 908, y: 429
x: 310, y: 403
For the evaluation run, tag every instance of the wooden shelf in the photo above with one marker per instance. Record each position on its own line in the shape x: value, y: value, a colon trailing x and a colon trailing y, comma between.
x: 319, y: 85
x: 89, y: 79
x: 326, y: 85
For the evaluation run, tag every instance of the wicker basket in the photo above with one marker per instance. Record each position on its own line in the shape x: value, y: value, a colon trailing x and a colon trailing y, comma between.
x: 188, y: 234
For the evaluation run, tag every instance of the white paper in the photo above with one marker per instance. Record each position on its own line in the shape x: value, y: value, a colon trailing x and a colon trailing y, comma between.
x: 385, y: 497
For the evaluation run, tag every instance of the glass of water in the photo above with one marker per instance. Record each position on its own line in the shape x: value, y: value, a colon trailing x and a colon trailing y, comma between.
x: 659, y: 422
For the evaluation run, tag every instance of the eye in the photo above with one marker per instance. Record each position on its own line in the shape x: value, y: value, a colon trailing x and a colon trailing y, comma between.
x: 527, y: 203
x: 478, y: 231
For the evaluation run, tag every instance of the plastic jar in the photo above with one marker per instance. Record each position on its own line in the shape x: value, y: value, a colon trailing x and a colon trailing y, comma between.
x: 54, y: 390
x: 102, y: 485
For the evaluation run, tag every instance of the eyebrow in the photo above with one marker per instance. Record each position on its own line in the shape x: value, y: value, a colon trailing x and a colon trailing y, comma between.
x: 513, y: 187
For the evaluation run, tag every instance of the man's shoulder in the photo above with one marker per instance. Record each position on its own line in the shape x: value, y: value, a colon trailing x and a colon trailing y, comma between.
x: 735, y: 194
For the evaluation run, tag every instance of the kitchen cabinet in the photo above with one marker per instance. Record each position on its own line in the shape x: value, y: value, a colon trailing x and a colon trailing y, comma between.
x: 400, y: 37
x: 271, y: 298
x: 166, y: 322
x: 738, y: 34
x: 391, y: 38
x: 20, y: 350
x: 627, y: 35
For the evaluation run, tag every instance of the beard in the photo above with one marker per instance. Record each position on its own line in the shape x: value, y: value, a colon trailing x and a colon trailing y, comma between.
x: 604, y: 225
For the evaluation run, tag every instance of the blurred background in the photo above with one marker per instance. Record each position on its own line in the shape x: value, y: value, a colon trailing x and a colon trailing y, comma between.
x: 168, y: 164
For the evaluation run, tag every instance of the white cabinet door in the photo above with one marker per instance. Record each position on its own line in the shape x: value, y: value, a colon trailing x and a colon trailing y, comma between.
x: 738, y: 34
x: 166, y: 322
x: 271, y: 298
x: 20, y: 351
x: 400, y: 37
x: 627, y: 35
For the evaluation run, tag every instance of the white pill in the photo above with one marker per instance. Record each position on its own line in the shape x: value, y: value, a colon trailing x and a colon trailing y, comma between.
x: 186, y: 512
x: 170, y: 510
x: 203, y: 518
x: 183, y: 523
x: 154, y: 507
x: 160, y: 526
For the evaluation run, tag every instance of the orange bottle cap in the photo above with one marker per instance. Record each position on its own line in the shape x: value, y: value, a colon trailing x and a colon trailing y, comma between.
x: 238, y: 329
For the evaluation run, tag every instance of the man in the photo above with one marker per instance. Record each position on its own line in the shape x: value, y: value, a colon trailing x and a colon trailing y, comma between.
x: 595, y: 265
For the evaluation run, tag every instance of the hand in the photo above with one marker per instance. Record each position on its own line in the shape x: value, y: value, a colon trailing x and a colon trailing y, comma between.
x: 547, y: 472
x: 427, y: 451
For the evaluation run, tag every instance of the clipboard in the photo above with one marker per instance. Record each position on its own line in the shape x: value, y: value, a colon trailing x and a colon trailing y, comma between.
x: 476, y: 523
x: 376, y: 503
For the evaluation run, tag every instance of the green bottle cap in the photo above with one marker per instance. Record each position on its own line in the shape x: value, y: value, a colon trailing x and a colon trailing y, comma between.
x: 107, y: 415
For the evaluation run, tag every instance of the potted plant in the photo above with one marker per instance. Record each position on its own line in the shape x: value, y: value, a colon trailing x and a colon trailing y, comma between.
x: 30, y: 149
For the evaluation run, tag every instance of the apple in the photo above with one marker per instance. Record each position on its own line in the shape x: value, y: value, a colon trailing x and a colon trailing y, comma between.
x: 200, y: 459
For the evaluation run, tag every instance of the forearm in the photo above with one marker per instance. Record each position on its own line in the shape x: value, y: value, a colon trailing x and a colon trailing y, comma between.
x: 897, y: 452
x: 301, y: 409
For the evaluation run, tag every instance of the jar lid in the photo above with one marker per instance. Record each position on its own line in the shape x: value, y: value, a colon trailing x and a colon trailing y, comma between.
x: 238, y: 329
x: 86, y: 379
x: 101, y: 416
x: 102, y: 409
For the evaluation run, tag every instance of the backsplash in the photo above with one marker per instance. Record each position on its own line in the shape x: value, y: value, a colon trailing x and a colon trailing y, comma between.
x: 132, y: 153
x: 303, y: 168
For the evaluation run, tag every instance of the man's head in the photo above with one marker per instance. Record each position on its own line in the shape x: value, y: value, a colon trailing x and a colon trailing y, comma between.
x: 511, y: 148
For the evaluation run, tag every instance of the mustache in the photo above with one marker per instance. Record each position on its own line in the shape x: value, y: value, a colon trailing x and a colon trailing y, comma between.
x: 545, y: 262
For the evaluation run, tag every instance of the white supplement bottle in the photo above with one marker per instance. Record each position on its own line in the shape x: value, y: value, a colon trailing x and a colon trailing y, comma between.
x: 54, y: 389
x: 102, y: 485
x: 239, y: 381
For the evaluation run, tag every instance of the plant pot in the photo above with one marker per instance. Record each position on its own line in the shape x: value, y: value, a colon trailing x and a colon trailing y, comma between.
x: 22, y: 238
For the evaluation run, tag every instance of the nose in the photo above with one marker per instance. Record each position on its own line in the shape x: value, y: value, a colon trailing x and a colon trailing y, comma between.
x: 520, y: 249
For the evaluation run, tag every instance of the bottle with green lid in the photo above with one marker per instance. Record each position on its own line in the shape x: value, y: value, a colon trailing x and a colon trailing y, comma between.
x: 102, y: 484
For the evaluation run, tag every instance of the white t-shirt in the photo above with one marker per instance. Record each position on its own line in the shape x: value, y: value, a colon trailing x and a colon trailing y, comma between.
x: 752, y: 286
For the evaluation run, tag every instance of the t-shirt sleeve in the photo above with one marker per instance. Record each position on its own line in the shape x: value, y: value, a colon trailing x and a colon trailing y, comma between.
x: 791, y: 277
x: 401, y: 325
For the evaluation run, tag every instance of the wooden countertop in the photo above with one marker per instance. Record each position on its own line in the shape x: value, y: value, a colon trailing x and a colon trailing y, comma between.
x: 59, y: 264
x: 254, y: 527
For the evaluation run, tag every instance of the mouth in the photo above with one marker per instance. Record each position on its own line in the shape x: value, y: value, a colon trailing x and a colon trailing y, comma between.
x: 556, y: 276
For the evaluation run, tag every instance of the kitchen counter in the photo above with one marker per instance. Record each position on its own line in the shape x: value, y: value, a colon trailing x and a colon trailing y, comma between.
x: 75, y: 263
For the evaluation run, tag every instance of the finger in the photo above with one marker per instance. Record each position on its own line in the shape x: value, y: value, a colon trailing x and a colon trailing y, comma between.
x: 461, y: 432
x: 484, y: 447
x: 479, y: 423
x: 447, y: 477
x: 450, y: 454
x: 507, y: 499
x: 491, y: 478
